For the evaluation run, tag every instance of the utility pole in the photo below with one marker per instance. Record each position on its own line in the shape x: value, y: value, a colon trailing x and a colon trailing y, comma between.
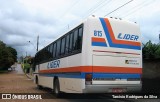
x: 37, y: 42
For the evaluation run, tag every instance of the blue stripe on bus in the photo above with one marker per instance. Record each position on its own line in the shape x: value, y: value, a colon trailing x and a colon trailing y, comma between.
x: 116, y: 45
x: 95, y: 75
x: 99, y: 44
x: 122, y: 76
x: 66, y: 75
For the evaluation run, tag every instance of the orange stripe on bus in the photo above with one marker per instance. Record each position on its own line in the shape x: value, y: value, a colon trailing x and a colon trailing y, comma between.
x: 116, y: 69
x: 99, y: 69
x: 98, y: 39
x: 119, y: 41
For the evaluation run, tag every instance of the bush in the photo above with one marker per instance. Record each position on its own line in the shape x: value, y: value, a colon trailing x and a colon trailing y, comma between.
x: 151, y: 51
x: 26, y: 67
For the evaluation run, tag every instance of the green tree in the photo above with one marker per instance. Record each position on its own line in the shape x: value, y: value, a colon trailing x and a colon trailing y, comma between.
x: 150, y: 50
x: 13, y: 53
x: 8, y: 56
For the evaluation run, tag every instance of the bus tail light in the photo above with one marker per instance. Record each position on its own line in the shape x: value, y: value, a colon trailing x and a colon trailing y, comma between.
x: 88, y: 79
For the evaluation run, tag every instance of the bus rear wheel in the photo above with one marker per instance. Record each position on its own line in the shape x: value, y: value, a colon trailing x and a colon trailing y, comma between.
x: 56, y: 88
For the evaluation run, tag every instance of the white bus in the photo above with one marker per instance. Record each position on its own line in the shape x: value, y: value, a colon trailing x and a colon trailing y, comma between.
x: 101, y: 55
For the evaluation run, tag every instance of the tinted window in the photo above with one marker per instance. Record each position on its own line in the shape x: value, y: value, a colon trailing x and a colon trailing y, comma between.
x: 48, y: 48
x: 79, y: 43
x: 58, y: 48
x: 51, y: 48
x: 46, y: 54
x: 75, y: 39
x: 42, y: 56
x: 63, y: 46
x: 70, y: 42
x: 37, y: 58
x: 54, y: 50
x: 67, y: 44
x: 51, y: 51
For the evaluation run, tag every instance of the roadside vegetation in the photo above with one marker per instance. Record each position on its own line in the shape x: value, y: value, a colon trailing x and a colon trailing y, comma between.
x: 8, y: 56
x: 151, y: 51
x: 26, y: 67
x: 27, y: 64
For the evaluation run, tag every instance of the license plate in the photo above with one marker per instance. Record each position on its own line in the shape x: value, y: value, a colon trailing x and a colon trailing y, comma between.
x: 118, y: 90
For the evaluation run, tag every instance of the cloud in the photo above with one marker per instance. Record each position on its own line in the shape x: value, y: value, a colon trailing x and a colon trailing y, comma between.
x: 19, y: 25
x: 150, y: 24
x: 22, y: 20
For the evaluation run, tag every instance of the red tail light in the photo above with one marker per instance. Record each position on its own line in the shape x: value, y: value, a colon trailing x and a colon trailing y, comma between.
x: 88, y: 79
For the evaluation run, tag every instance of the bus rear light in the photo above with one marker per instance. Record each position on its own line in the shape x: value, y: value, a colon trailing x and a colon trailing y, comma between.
x: 88, y: 79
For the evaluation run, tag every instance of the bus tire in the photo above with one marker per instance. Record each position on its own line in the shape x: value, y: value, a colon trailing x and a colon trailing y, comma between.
x: 57, y: 88
x: 38, y: 86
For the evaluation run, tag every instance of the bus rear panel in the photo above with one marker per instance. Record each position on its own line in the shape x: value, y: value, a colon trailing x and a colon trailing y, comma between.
x: 115, y: 56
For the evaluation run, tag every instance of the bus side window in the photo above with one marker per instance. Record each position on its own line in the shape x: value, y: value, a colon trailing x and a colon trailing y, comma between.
x: 54, y: 50
x: 67, y: 44
x: 71, y: 42
x: 36, y: 58
x: 48, y: 55
x: 51, y: 50
x: 63, y: 46
x: 58, y: 48
x: 41, y: 56
x: 75, y: 39
x: 45, y: 54
x: 79, y: 40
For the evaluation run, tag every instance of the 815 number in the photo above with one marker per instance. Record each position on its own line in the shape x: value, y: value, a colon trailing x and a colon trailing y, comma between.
x: 97, y: 33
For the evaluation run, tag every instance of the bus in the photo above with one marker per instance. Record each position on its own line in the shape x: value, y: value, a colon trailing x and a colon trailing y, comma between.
x: 100, y: 55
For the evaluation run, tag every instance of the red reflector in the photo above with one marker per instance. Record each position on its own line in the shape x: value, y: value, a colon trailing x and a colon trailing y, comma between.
x: 88, y: 77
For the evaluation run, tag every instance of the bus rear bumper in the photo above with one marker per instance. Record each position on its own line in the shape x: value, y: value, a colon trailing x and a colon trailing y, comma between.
x: 112, y: 88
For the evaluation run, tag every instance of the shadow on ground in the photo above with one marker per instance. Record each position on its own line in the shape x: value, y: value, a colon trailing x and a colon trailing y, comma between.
x: 151, y: 85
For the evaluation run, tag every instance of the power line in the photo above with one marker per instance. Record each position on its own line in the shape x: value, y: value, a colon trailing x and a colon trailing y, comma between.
x: 143, y: 5
x: 118, y: 8
x: 91, y: 10
x: 95, y: 6
x: 132, y: 9
x: 70, y: 8
x: 101, y: 4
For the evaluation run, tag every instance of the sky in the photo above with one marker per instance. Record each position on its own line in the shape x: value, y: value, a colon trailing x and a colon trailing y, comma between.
x: 21, y: 21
